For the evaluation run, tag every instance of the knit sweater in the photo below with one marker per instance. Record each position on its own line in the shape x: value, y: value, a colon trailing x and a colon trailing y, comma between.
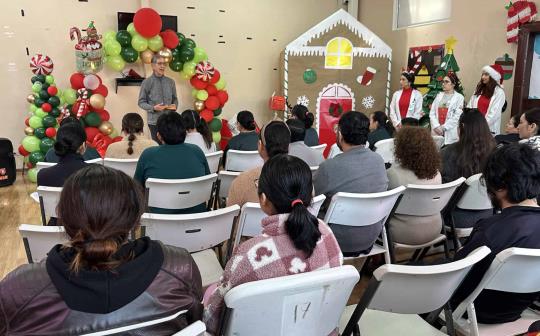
x: 118, y: 150
x: 270, y: 255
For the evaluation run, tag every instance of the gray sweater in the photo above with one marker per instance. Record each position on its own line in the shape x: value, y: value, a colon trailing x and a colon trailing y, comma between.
x: 154, y: 91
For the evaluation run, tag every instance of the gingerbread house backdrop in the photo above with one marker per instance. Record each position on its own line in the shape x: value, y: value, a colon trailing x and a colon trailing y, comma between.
x: 337, y: 66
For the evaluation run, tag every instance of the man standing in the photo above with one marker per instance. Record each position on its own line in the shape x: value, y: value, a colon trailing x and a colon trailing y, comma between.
x: 158, y: 93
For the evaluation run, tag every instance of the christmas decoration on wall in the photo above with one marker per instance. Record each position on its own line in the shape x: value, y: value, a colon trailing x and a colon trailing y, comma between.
x: 41, y: 64
x: 366, y: 78
x: 310, y: 76
x: 423, y: 61
x: 368, y: 102
x: 507, y: 64
x: 302, y: 100
x: 519, y: 12
x: 88, y: 50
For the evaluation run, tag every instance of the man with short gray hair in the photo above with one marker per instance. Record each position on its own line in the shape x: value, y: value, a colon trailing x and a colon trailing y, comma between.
x: 158, y: 93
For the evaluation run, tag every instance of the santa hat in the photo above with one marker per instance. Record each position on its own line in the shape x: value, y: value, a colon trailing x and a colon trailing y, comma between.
x: 495, y: 71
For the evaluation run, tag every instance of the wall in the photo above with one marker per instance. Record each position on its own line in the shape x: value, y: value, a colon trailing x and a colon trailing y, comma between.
x: 250, y: 66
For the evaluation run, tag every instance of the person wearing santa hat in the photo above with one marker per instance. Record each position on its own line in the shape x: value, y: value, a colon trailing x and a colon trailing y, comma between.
x: 407, y: 102
x: 489, y: 97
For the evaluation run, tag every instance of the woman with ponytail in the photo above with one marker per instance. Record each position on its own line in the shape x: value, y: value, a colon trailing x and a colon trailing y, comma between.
x: 292, y: 240
x: 380, y: 128
x: 406, y: 102
x: 134, y: 142
x: 100, y: 279
x: 302, y: 113
x: 198, y: 132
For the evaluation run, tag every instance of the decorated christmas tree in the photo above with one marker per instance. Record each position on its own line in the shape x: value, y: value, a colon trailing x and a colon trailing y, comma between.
x: 448, y: 64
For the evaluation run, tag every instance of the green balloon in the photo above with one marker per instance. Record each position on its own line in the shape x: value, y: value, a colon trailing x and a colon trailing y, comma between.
x: 49, y: 79
x: 184, y: 75
x: 194, y: 93
x: 139, y: 43
x: 70, y: 96
x: 41, y: 79
x: 189, y: 43
x: 39, y: 132
x: 35, y: 122
x: 92, y: 119
x: 129, y: 54
x: 55, y: 112
x: 155, y: 43
x: 113, y: 48
x: 131, y: 29
x: 45, y: 145
x: 44, y: 86
x: 62, y: 101
x: 176, y: 66
x: 181, y: 38
x: 202, y: 95
x: 31, y: 143
x: 38, y: 102
x: 34, y: 79
x: 40, y: 113
x: 116, y: 62
x: 176, y: 53
x: 43, y: 94
x: 33, y: 108
x: 109, y: 36
x: 186, y: 54
x: 200, y: 55
x: 220, y: 85
x: 189, y: 68
x: 36, y: 87
x: 215, y: 125
x: 32, y: 175
x: 49, y: 121
x: 217, y: 112
x: 54, y: 101
x: 216, y: 136
x: 123, y: 37
x: 36, y: 157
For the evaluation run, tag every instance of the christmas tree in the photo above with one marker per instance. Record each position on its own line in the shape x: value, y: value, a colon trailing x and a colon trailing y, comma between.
x: 448, y: 64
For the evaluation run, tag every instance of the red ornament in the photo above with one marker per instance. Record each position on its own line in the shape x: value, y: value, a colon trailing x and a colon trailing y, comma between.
x: 91, y: 133
x: 216, y: 77
x: 105, y: 116
x: 170, y: 38
x: 76, y: 81
x: 223, y: 97
x: 46, y: 107
x: 23, y: 151
x: 211, y: 89
x: 207, y: 115
x: 27, y: 121
x: 50, y: 132
x: 52, y: 90
x: 147, y: 22
x: 212, y: 103
x: 102, y: 90
x: 198, y: 84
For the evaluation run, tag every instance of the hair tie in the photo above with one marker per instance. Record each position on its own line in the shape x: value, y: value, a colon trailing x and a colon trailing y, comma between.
x: 296, y: 201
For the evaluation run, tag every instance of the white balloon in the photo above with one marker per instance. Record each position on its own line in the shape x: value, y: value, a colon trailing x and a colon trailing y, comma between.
x: 91, y: 82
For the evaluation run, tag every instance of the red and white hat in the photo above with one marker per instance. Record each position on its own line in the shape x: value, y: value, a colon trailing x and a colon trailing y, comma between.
x: 495, y: 71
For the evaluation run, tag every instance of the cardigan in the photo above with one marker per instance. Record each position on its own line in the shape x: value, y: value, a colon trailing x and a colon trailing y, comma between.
x: 118, y: 150
x: 243, y: 188
x: 455, y: 109
x: 415, y: 106
x: 493, y: 115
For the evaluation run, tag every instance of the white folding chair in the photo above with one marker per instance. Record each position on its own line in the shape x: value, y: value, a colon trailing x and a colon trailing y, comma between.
x: 397, y: 293
x: 40, y: 165
x: 39, y: 240
x: 334, y: 150
x: 439, y: 140
x: 320, y: 148
x: 179, y: 193
x: 251, y: 215
x: 198, y: 233
x: 314, y: 169
x: 242, y: 160
x: 127, y: 166
x: 195, y: 329
x: 225, y: 181
x: 96, y: 161
x: 213, y: 160
x: 302, y: 304
x: 425, y: 200
x: 501, y: 276
x: 353, y: 209
x: 385, y: 148
x: 48, y: 199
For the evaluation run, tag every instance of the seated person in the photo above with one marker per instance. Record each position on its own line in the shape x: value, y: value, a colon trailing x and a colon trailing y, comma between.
x: 380, y: 128
x: 417, y: 162
x: 307, y: 118
x: 198, y: 132
x: 134, y: 142
x: 529, y: 127
x: 408, y: 121
x: 298, y: 240
x: 356, y: 170
x: 512, y: 133
x: 174, y: 159
x: 100, y: 279
x: 274, y: 139
x: 247, y: 139
x: 511, y: 177
x: 298, y: 148
x: 89, y: 154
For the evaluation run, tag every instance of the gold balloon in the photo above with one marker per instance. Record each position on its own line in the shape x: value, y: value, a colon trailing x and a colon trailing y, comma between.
x: 31, y: 99
x: 106, y: 127
x: 29, y: 131
x: 146, y: 56
x: 199, y: 105
x: 97, y: 101
x: 166, y: 53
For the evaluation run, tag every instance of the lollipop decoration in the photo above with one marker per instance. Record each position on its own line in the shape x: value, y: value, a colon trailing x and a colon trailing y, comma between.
x: 41, y: 64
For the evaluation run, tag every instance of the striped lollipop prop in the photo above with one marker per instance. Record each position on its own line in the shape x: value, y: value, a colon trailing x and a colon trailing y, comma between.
x: 204, y: 71
x: 41, y: 64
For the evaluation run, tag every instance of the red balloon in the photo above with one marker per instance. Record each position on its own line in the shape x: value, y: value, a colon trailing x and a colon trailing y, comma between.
x: 52, y: 90
x: 170, y: 38
x: 23, y: 151
x: 91, y: 133
x: 46, y: 107
x: 197, y: 83
x: 223, y: 97
x: 27, y: 121
x: 216, y: 77
x: 76, y: 81
x: 147, y: 22
x: 102, y: 90
x: 50, y: 132
x: 212, y: 103
x: 211, y: 89
x: 105, y: 116
x: 207, y: 115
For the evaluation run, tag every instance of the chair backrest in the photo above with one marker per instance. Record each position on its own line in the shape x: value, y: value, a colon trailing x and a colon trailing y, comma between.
x: 242, y: 160
x: 97, y: 161
x: 42, y: 164
x: 385, y: 148
x: 302, y: 304
x: 226, y: 178
x: 403, y: 289
x: 195, y: 329
x: 313, y: 169
x: 180, y: 193
x: 39, y: 240
x: 320, y: 148
x: 439, y: 140
x: 213, y: 160
x: 128, y: 166
x: 502, y: 275
x: 48, y: 199
x: 316, y: 204
x: 475, y: 196
x: 427, y: 200
x: 194, y: 232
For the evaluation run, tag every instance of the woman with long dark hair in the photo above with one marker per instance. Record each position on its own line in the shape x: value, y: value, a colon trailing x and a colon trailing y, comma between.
x: 302, y: 113
x: 489, y: 97
x: 511, y: 130
x: 529, y: 127
x: 247, y: 139
x: 134, y: 142
x: 406, y: 102
x: 446, y: 109
x: 198, y: 132
x: 100, y: 279
x: 292, y: 240
x: 380, y: 128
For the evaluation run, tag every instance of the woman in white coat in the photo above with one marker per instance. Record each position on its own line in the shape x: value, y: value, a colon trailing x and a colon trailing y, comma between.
x: 406, y: 102
x: 446, y: 110
x: 489, y: 97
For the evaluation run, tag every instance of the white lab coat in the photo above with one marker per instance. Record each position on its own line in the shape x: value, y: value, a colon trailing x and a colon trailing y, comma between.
x: 493, y: 115
x: 415, y: 106
x: 450, y: 126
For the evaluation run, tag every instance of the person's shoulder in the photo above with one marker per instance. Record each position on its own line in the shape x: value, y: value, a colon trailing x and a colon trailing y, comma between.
x: 149, y: 152
x: 174, y: 258
x: 25, y: 278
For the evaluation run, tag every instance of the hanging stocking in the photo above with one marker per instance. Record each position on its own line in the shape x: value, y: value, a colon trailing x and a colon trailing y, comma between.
x: 366, y: 78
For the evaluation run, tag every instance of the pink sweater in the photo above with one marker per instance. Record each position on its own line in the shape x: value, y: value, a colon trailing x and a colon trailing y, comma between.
x: 270, y: 255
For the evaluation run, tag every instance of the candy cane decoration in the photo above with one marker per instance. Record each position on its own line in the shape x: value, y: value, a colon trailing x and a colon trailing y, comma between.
x: 83, y: 100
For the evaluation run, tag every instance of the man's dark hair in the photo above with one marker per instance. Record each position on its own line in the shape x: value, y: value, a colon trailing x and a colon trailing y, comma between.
x: 354, y: 128
x: 170, y: 127
x: 275, y: 137
x: 408, y: 121
x: 298, y: 130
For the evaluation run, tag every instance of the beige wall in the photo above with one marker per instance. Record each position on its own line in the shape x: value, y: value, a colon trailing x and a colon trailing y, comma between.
x: 45, y: 27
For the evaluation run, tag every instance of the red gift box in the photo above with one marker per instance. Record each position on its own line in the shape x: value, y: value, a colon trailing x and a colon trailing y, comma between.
x: 277, y: 103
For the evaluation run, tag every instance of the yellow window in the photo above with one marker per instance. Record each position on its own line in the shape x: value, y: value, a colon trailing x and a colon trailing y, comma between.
x: 339, y: 54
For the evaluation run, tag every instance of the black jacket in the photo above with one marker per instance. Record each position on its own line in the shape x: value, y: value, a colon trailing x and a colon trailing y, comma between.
x: 56, y: 175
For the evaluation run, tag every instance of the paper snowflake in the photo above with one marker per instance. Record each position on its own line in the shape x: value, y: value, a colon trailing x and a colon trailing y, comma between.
x: 302, y: 100
x: 368, y: 102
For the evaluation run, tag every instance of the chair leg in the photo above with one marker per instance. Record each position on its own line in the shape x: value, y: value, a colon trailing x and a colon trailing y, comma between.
x: 423, y: 253
x: 356, y: 330
x: 450, y: 330
x: 416, y: 254
x: 446, y: 250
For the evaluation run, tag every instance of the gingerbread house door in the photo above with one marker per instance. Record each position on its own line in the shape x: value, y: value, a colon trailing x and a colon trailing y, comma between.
x: 334, y: 100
